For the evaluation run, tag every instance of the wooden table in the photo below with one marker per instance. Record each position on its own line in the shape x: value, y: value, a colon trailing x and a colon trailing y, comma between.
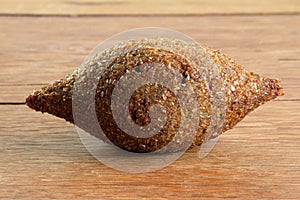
x: 42, y: 156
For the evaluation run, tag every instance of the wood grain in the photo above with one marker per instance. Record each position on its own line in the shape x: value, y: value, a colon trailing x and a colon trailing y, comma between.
x: 42, y: 157
x: 36, y: 51
x: 147, y: 7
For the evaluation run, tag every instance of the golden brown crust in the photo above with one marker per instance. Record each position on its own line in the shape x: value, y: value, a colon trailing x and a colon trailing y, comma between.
x: 244, y: 91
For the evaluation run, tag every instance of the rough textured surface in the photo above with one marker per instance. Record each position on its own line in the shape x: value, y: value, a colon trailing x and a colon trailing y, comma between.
x: 243, y: 91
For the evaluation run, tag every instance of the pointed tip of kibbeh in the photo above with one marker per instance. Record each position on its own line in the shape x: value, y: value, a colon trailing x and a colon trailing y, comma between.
x: 55, y: 99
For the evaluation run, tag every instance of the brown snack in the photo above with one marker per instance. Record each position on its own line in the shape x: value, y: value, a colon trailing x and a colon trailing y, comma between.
x: 244, y: 91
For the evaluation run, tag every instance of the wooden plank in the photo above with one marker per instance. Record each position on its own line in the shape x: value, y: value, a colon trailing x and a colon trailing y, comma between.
x: 42, y: 157
x: 147, y: 7
x: 18, y: 93
x: 36, y: 51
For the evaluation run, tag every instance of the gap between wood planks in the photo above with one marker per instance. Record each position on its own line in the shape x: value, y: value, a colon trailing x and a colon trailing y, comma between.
x: 268, y: 45
x: 147, y: 7
x: 150, y: 15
